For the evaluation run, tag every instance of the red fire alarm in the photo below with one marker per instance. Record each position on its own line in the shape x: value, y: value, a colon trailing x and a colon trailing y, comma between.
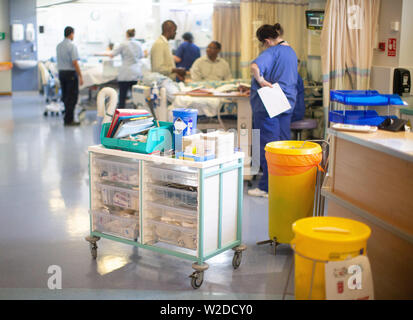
x: 391, y: 47
x: 382, y: 46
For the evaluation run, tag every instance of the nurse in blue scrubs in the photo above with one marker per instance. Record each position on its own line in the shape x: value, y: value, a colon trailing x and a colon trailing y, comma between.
x: 299, y: 109
x: 277, y: 63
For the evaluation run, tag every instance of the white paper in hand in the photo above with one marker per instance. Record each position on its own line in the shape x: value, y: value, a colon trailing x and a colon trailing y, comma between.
x: 274, y: 100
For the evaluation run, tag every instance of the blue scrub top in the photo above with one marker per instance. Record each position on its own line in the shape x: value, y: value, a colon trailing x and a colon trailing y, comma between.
x: 188, y: 52
x: 299, y: 109
x: 276, y: 64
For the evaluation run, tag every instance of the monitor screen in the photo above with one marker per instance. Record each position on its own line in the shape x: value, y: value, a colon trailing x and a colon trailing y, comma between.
x: 314, y: 19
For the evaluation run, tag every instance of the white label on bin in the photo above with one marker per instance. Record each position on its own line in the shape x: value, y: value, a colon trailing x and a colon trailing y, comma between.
x: 179, y: 125
x: 349, y: 279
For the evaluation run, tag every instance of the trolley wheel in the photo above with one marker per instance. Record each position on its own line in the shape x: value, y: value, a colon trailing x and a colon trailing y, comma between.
x: 57, y: 113
x: 45, y: 113
x: 94, y: 250
x: 236, y: 261
x: 275, y: 245
x: 197, y: 278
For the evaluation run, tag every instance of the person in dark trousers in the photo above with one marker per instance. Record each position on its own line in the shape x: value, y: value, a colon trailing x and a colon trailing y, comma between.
x: 187, y: 52
x: 130, y: 71
x: 70, y: 75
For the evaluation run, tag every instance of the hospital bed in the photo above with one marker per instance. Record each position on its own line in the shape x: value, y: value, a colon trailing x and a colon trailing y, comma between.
x: 97, y: 74
x: 216, y: 112
x: 221, y: 111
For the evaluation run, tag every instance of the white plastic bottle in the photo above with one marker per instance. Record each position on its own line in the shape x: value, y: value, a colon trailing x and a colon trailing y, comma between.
x: 155, y: 95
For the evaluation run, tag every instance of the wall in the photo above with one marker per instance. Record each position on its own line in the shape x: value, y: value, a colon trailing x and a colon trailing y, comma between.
x: 24, y: 12
x: 97, y: 23
x: 195, y: 17
x: 390, y: 10
x: 5, y: 76
x: 314, y: 45
x: 406, y: 36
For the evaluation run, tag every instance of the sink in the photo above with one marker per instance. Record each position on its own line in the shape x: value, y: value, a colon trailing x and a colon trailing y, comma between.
x: 25, y: 64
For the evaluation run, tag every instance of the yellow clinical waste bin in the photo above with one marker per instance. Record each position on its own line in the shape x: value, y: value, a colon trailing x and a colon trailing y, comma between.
x: 319, y: 240
x: 292, y: 170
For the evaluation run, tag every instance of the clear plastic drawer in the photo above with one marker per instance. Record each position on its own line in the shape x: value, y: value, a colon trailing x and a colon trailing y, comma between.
x: 172, y: 175
x: 120, y: 197
x: 174, y: 216
x: 175, y: 235
x: 125, y: 226
x: 172, y: 196
x: 117, y: 170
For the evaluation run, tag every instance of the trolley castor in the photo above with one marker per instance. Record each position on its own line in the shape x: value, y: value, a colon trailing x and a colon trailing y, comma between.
x: 93, y: 246
x: 197, y: 277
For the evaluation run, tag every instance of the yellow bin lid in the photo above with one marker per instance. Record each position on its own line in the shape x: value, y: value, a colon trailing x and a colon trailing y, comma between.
x: 331, y: 229
x: 293, y: 148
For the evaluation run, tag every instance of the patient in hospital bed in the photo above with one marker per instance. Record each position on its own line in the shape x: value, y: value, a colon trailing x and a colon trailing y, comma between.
x: 211, y: 66
x: 208, y: 107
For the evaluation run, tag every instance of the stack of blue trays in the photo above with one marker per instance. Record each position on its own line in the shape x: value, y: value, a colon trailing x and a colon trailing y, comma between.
x: 361, y: 98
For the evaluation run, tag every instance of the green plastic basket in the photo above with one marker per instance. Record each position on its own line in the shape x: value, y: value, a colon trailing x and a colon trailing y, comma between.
x: 159, y: 139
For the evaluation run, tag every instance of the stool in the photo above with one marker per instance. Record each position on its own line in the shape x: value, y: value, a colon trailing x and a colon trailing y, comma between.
x: 305, y: 124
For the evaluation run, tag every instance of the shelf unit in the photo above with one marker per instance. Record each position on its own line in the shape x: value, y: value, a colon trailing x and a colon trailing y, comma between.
x: 190, y: 210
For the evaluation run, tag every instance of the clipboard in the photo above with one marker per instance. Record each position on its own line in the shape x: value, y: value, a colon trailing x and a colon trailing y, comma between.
x: 274, y: 100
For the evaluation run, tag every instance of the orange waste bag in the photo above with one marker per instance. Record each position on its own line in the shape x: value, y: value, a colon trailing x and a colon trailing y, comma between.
x: 292, y: 169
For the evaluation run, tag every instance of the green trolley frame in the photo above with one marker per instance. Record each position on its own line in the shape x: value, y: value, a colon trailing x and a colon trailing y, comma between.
x: 218, y: 179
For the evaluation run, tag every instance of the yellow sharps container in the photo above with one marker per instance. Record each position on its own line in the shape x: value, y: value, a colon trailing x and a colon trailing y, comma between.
x: 292, y: 170
x: 319, y: 240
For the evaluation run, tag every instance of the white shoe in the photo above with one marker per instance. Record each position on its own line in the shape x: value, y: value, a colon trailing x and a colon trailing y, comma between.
x: 257, y: 193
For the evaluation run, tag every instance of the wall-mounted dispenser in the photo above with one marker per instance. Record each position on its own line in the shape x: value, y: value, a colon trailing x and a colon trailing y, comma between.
x: 17, y: 32
x: 401, y: 81
x: 30, y: 32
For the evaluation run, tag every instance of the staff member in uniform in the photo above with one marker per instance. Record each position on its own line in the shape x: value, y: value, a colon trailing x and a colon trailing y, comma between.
x: 278, y: 63
x: 299, y: 109
x: 130, y: 71
x: 162, y: 60
x: 70, y: 75
x: 187, y: 52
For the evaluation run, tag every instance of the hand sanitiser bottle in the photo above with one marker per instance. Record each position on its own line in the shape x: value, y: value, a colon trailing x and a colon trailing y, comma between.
x: 155, y: 95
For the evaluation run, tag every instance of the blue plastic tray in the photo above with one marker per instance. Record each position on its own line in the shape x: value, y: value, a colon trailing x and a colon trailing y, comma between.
x: 357, y: 117
x: 364, y: 98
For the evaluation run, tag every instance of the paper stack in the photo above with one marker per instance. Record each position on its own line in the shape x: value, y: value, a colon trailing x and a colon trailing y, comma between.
x: 129, y: 121
x: 223, y: 141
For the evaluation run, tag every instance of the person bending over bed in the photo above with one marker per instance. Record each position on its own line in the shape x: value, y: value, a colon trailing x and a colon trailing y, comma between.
x: 211, y: 67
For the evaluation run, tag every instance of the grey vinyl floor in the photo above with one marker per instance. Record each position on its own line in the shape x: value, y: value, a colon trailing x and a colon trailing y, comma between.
x: 44, y: 201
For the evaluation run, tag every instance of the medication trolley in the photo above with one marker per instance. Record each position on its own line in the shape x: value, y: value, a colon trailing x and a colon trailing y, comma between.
x: 190, y: 210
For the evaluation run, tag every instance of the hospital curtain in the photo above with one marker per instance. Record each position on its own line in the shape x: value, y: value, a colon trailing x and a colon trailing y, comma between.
x: 289, y: 13
x: 347, y: 42
x: 226, y: 30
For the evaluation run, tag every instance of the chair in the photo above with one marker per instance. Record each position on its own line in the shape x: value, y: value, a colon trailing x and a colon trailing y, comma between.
x: 305, y: 124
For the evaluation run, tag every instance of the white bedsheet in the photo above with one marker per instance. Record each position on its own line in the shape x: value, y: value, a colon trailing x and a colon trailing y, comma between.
x: 205, y: 106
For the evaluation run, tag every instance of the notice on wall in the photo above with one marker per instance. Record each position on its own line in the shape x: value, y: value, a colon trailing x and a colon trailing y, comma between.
x: 349, y: 279
x: 391, y: 52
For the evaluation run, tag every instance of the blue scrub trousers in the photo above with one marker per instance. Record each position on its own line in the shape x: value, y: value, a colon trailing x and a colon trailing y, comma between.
x: 271, y: 129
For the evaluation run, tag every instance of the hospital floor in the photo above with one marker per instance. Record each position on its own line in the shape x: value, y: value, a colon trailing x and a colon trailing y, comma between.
x: 44, y: 201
